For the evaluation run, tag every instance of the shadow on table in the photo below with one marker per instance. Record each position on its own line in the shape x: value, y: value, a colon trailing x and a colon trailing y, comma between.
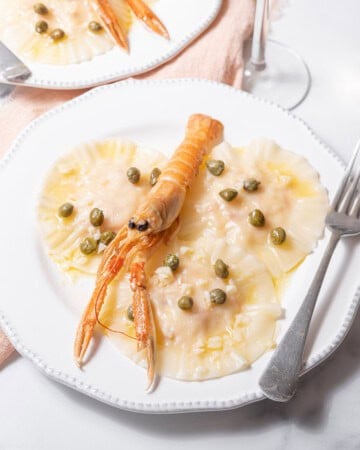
x: 306, y: 409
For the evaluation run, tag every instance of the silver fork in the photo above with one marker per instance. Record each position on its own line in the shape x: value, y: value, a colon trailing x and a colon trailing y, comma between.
x: 279, y: 380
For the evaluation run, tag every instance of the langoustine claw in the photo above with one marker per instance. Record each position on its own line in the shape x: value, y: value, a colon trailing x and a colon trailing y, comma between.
x: 141, y: 11
x: 146, y: 15
x: 112, y: 23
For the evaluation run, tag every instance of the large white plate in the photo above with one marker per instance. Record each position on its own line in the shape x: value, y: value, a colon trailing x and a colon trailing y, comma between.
x: 36, y: 311
x: 184, y: 19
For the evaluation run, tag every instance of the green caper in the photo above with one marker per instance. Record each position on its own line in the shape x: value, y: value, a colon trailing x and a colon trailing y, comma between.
x: 41, y: 26
x: 228, y: 194
x: 185, y: 302
x: 154, y: 176
x: 57, y: 34
x: 96, y: 217
x: 215, y: 167
x: 221, y: 269
x: 66, y: 210
x: 277, y: 236
x: 217, y: 296
x: 40, y: 8
x: 133, y: 175
x: 251, y: 185
x: 256, y: 218
x: 106, y: 237
x: 88, y: 246
x: 95, y: 27
x: 172, y: 261
x: 130, y: 313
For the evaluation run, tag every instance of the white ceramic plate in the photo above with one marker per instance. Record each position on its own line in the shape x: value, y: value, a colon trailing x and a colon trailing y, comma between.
x: 38, y: 314
x: 185, y: 20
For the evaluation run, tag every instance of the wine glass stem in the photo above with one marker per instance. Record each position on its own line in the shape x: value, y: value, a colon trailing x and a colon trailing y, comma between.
x: 259, y: 36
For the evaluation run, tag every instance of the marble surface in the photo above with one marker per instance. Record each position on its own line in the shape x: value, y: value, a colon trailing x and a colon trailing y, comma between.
x: 36, y: 413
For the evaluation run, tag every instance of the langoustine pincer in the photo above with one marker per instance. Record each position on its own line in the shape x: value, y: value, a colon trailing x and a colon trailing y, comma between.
x: 155, y: 220
x: 141, y: 11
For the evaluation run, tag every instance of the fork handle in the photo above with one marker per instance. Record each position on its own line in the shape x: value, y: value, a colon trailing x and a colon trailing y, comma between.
x: 279, y: 380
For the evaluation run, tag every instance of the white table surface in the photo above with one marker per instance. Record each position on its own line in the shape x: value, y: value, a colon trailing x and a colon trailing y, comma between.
x: 36, y: 413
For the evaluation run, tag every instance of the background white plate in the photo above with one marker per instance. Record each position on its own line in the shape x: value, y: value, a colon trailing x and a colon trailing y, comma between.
x: 35, y: 310
x: 184, y: 19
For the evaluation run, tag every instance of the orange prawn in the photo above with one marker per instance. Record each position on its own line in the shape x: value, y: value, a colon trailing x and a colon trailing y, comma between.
x: 155, y: 220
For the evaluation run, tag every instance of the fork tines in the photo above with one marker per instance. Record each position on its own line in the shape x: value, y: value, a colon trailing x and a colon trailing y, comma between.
x: 347, y: 198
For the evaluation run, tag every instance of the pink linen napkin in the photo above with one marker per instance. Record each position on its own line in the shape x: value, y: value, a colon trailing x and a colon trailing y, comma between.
x: 216, y: 55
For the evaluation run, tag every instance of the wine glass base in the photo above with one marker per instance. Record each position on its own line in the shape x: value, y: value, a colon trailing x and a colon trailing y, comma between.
x: 285, y: 79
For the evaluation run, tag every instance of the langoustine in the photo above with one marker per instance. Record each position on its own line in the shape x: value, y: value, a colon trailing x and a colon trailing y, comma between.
x: 154, y: 221
x: 141, y: 11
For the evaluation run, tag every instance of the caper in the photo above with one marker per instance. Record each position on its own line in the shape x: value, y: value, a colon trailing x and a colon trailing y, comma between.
x: 251, y: 185
x: 172, y: 261
x: 277, y: 236
x: 96, y: 217
x: 215, y: 166
x: 66, y: 210
x: 41, y: 26
x: 106, y: 237
x: 40, y: 8
x: 133, y: 175
x: 88, y: 246
x: 228, y: 194
x: 185, y: 302
x: 154, y: 176
x: 57, y: 34
x: 95, y: 27
x: 221, y: 269
x: 130, y: 313
x: 256, y: 218
x: 217, y: 296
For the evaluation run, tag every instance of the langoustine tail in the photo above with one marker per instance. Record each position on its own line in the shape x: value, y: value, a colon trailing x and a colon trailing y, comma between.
x: 202, y: 134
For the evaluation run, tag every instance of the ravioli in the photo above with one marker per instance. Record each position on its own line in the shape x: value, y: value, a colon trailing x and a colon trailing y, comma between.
x: 17, y: 30
x: 93, y: 175
x: 290, y: 196
x: 210, y: 340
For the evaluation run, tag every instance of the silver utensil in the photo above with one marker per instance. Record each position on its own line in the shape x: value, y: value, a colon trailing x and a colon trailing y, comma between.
x: 12, y: 69
x: 279, y: 380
